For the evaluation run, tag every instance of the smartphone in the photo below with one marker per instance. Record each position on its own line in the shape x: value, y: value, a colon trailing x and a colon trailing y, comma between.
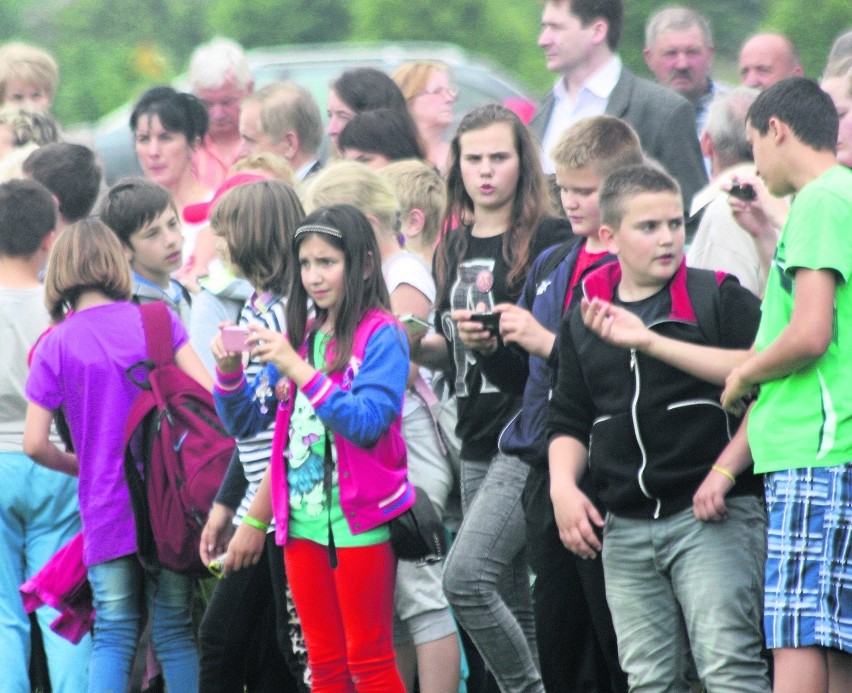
x: 743, y: 191
x: 490, y: 321
x: 234, y: 338
x: 414, y: 326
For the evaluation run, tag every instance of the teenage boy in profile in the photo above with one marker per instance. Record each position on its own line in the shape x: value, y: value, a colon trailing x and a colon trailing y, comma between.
x: 800, y: 428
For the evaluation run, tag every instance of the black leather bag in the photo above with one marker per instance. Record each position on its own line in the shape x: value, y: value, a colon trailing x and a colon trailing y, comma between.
x: 418, y: 534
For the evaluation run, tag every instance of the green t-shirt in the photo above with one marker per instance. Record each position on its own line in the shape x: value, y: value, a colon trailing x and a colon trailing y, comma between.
x: 805, y: 418
x: 305, y: 456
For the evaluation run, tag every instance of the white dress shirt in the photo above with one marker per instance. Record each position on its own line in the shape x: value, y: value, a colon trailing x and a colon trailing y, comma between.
x: 591, y: 101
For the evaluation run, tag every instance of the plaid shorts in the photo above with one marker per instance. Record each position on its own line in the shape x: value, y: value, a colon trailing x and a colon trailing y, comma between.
x: 808, y: 590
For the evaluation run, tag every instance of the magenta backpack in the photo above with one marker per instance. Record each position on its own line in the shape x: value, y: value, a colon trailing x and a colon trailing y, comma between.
x: 176, y: 452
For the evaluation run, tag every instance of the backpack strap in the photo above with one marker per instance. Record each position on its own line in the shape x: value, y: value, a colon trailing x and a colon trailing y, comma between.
x: 703, y: 288
x: 543, y: 268
x: 157, y: 325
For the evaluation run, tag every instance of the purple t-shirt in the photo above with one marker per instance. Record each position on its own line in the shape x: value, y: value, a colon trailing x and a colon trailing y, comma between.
x: 80, y: 366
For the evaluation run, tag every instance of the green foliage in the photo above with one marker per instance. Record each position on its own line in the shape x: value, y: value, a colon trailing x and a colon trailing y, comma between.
x: 109, y: 54
x: 274, y: 22
x: 504, y: 30
x: 812, y: 28
x: 109, y: 50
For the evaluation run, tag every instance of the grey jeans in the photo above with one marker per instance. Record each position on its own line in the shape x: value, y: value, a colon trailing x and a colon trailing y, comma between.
x: 486, y: 578
x: 677, y: 585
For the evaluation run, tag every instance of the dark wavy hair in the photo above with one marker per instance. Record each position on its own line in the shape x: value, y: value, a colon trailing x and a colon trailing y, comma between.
x: 367, y: 89
x: 364, y: 284
x: 383, y: 131
x: 177, y: 111
x: 531, y: 202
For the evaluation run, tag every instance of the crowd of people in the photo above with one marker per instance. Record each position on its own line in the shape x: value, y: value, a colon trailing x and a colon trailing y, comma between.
x: 659, y: 267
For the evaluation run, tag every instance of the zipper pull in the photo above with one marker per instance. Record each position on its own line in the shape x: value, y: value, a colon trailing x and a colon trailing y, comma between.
x: 632, y: 360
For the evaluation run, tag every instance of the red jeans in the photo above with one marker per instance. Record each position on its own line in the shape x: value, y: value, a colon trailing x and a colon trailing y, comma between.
x: 346, y: 615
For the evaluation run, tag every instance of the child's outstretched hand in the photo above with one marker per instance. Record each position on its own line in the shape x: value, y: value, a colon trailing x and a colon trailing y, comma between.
x: 269, y: 346
x: 577, y: 519
x: 216, y: 533
x: 738, y: 393
x: 761, y: 216
x: 226, y: 361
x: 473, y: 333
x: 518, y: 325
x: 615, y: 325
x: 245, y: 548
x: 708, y: 503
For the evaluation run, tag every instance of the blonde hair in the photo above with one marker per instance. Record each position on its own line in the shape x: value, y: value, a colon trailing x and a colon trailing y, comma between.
x: 352, y: 183
x: 840, y: 69
x: 267, y: 162
x: 31, y: 65
x: 603, y: 142
x: 417, y: 185
x: 412, y: 78
x: 86, y: 256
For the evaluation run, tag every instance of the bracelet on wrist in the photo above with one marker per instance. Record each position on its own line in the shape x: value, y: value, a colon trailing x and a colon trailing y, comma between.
x: 257, y: 524
x: 724, y: 472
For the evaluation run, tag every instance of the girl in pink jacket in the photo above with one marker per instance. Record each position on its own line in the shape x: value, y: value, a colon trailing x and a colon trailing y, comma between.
x: 338, y: 468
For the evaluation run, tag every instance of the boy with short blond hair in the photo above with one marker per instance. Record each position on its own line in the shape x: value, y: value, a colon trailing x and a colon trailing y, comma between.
x: 674, y: 584
x: 604, y: 142
x: 569, y: 600
x: 422, y: 197
x: 800, y: 428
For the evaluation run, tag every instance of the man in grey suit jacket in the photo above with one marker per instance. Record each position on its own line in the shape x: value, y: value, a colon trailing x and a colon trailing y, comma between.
x: 580, y: 39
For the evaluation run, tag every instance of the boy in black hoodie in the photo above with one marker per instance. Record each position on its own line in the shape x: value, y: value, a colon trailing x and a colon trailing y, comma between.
x: 674, y: 584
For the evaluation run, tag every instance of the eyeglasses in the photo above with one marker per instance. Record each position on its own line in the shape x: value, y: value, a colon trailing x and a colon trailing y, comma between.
x: 450, y: 91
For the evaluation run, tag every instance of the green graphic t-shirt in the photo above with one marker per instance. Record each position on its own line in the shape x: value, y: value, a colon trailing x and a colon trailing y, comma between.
x: 305, y: 455
x: 805, y: 418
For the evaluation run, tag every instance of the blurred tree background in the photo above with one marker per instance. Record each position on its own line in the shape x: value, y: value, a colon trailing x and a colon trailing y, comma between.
x: 109, y: 50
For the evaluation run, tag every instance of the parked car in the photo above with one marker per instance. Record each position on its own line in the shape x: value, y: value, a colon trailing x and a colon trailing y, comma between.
x: 314, y: 66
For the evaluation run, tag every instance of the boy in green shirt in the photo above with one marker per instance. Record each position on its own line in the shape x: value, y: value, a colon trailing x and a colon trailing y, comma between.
x: 800, y: 428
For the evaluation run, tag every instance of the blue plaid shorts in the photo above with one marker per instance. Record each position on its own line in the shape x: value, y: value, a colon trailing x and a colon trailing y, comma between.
x: 808, y: 590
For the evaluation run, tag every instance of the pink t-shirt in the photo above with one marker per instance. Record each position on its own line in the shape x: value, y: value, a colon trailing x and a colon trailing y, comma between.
x: 80, y: 366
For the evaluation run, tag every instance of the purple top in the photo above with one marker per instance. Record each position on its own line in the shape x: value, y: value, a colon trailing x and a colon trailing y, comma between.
x: 80, y: 366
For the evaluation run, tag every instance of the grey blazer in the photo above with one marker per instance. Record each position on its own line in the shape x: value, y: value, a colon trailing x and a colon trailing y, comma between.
x: 664, y: 121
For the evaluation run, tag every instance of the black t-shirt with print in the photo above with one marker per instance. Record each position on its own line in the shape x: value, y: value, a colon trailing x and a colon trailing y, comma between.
x: 481, y: 277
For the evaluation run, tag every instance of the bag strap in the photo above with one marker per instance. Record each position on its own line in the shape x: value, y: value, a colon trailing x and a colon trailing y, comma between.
x: 549, y: 261
x: 430, y: 399
x: 327, y: 465
x: 327, y: 474
x: 703, y: 288
x: 157, y: 323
